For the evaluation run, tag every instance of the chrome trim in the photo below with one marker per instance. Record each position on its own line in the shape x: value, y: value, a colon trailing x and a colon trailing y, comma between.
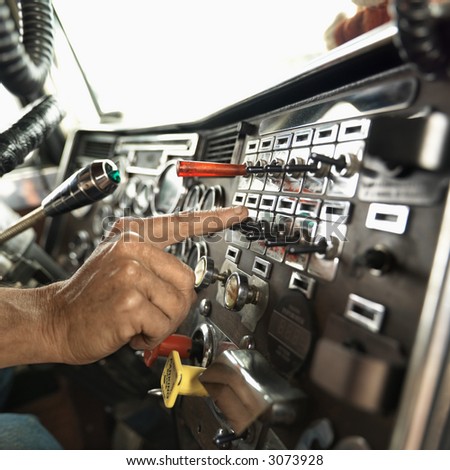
x: 282, y: 141
x: 365, y: 313
x: 266, y: 144
x: 206, y: 333
x: 169, y: 143
x: 252, y: 146
x: 239, y: 199
x: 335, y: 211
x: 387, y: 218
x: 302, y: 138
x: 434, y: 148
x: 253, y: 204
x: 286, y: 205
x: 181, y: 192
x: 359, y: 130
x: 238, y: 377
x: 233, y: 254
x: 429, y: 354
x: 217, y: 195
x: 268, y: 202
x: 302, y: 283
x: 326, y: 134
x: 261, y: 267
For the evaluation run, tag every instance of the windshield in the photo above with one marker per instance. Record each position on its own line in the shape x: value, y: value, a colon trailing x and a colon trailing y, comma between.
x: 161, y: 62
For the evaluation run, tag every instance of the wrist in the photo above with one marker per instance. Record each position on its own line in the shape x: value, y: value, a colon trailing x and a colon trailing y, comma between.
x: 27, y: 327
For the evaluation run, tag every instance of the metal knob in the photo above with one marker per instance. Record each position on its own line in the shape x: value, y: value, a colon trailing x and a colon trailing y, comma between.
x: 261, y: 163
x: 351, y: 165
x: 238, y: 292
x: 276, y: 164
x: 292, y: 163
x: 206, y: 274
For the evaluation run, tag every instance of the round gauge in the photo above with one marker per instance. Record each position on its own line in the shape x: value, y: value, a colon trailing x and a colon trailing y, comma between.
x: 80, y: 247
x: 169, y: 190
x: 129, y: 195
x: 102, y: 219
x: 212, y: 199
x: 197, y: 250
x: 181, y: 250
x: 143, y: 200
x: 193, y: 197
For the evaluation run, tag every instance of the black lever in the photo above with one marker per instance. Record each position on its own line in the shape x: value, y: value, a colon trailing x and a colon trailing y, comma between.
x: 339, y: 163
x: 281, y: 169
x: 321, y: 248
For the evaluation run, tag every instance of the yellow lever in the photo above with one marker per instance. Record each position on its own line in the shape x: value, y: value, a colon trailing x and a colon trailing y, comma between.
x: 178, y: 379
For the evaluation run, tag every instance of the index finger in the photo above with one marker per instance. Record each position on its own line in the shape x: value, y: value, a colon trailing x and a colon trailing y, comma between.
x: 166, y: 230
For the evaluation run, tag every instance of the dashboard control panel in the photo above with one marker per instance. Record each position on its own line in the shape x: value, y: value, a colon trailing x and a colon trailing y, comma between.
x: 313, y: 314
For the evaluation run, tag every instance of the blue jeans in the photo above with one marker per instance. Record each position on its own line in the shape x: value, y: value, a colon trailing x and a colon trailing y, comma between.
x: 21, y: 431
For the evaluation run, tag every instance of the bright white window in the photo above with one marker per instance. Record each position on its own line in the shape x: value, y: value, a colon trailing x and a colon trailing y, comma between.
x: 161, y: 61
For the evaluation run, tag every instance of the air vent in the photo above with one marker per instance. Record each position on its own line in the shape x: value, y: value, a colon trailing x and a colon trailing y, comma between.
x: 96, y: 148
x: 220, y: 145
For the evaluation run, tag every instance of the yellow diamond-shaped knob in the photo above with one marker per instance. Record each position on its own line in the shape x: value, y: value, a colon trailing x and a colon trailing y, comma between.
x: 178, y: 379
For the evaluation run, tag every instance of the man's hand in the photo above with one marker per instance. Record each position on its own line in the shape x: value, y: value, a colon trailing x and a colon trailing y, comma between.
x: 129, y: 290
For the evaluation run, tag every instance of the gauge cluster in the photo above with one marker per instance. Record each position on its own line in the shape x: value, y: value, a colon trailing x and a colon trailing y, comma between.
x: 150, y: 187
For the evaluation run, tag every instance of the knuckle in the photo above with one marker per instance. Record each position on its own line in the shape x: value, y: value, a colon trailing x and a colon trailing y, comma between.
x: 129, y: 301
x: 128, y: 269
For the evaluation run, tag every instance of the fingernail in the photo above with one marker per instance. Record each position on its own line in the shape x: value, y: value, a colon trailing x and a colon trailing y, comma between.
x: 238, y: 210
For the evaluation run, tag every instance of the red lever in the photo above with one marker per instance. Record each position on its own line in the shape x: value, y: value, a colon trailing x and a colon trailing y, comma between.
x: 180, y: 343
x: 188, y: 169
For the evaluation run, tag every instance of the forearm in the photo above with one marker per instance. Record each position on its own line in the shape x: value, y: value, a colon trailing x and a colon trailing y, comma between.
x: 25, y: 335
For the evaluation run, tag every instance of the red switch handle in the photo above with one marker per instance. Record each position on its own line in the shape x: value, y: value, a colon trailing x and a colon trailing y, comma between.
x: 190, y: 169
x: 180, y: 343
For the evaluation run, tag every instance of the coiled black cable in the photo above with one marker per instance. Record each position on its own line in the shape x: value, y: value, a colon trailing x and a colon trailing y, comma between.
x: 28, y: 133
x: 24, y: 63
x: 420, y: 42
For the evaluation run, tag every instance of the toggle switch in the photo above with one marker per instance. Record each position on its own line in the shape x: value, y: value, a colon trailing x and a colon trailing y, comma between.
x: 238, y: 292
x: 206, y: 274
x: 323, y: 248
x: 222, y: 439
x: 258, y: 169
x: 292, y: 163
x: 275, y: 169
x: 320, y: 247
x: 321, y: 165
x: 254, y: 230
x: 178, y: 379
x: 346, y: 165
x: 249, y: 225
x: 182, y: 344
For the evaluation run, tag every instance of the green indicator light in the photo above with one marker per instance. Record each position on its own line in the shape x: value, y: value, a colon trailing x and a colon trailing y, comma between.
x: 114, y: 175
